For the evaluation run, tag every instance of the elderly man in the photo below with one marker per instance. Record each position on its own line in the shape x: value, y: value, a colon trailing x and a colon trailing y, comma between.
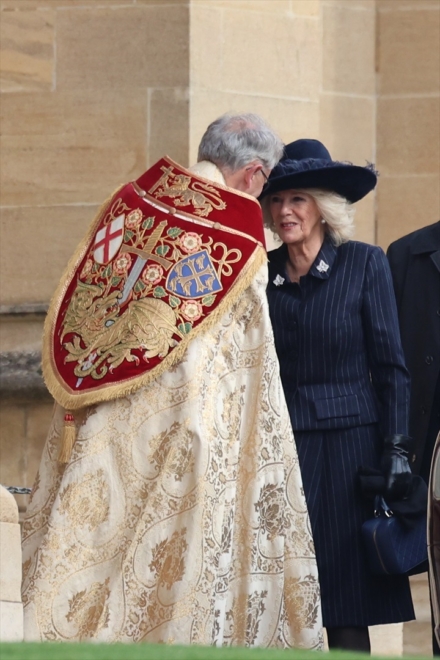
x: 168, y: 505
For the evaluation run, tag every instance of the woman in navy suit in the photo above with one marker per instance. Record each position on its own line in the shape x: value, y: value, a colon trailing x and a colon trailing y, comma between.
x: 347, y: 388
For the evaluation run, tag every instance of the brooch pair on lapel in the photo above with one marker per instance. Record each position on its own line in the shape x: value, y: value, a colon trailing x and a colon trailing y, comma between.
x: 322, y: 267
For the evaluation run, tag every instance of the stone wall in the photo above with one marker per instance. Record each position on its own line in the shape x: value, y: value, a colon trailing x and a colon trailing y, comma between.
x: 408, y: 116
x: 308, y: 66
x: 94, y: 91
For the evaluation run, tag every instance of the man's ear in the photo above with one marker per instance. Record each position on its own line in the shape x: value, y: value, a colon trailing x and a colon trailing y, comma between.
x: 249, y: 173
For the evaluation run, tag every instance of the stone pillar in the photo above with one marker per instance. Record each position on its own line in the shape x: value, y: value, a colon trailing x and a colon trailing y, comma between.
x: 347, y: 98
x: 11, y: 608
x: 408, y: 116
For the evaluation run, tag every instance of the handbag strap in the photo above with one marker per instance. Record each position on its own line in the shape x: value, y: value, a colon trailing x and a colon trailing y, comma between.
x: 380, y: 505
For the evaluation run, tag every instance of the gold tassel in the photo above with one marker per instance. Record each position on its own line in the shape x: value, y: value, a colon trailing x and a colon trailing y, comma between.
x: 68, y: 438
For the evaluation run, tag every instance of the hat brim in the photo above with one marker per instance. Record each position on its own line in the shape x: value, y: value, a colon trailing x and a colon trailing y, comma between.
x: 349, y: 181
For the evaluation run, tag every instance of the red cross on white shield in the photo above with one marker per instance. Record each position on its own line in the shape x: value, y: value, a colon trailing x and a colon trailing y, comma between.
x: 108, y: 240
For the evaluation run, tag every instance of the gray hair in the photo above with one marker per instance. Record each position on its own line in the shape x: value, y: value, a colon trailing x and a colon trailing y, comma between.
x: 337, y: 212
x: 233, y: 141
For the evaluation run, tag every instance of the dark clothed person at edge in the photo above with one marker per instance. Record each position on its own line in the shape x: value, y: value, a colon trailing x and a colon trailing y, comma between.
x: 337, y: 338
x: 415, y: 266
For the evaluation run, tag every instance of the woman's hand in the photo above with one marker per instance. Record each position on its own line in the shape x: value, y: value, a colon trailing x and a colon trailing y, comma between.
x: 395, y: 466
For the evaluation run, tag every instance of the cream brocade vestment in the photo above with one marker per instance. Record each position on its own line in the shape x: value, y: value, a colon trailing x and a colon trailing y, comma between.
x: 180, y: 517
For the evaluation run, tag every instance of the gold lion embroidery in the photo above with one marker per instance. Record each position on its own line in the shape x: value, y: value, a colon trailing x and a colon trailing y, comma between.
x: 88, y: 609
x: 180, y: 187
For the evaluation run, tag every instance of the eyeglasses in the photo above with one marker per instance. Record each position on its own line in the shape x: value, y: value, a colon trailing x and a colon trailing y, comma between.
x: 266, y: 179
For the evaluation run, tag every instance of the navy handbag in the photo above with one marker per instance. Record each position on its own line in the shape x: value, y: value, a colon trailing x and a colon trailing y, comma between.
x: 392, y: 548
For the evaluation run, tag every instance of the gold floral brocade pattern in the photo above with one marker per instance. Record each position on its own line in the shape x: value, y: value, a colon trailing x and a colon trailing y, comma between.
x: 88, y: 608
x: 86, y: 502
x: 180, y: 516
x: 169, y: 559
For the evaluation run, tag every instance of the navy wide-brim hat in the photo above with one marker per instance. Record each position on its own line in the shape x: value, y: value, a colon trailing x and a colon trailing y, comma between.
x: 308, y: 164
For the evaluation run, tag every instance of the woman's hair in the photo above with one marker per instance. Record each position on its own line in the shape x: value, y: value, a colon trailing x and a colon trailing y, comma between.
x: 337, y: 212
x: 233, y: 141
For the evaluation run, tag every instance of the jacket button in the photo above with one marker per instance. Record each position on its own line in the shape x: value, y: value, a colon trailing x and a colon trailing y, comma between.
x: 429, y: 359
x: 438, y: 312
x: 423, y: 410
x: 413, y: 458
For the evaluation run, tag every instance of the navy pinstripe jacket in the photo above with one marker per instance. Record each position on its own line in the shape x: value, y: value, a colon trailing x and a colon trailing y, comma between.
x: 338, y: 342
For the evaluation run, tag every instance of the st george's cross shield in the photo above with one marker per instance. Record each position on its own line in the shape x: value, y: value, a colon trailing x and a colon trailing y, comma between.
x: 108, y: 241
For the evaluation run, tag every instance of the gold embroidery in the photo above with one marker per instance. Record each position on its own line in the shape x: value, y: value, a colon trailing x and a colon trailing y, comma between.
x: 189, y: 544
x: 26, y: 567
x: 229, y: 257
x: 226, y: 541
x: 88, y: 608
x: 86, y: 502
x: 248, y: 311
x: 147, y: 252
x: 231, y: 415
x: 270, y: 508
x: 184, y: 191
x: 302, y: 602
x: 173, y: 451
x: 106, y: 330
x: 246, y: 622
x: 102, y: 336
x: 168, y: 561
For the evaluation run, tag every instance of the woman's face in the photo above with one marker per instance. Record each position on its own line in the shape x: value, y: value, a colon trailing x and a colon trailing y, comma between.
x: 296, y: 217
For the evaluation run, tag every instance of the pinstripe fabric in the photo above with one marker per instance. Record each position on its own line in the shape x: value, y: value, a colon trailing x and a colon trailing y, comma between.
x: 332, y: 332
x: 346, y: 385
x: 351, y: 596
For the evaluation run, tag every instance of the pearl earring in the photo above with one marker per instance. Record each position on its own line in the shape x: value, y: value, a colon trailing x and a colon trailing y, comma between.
x: 323, y: 221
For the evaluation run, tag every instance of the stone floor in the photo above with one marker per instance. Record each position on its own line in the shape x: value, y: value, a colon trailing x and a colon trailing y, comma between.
x: 412, y: 638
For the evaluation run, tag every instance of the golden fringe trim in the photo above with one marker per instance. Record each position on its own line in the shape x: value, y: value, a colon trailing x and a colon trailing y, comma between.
x: 68, y: 437
x: 47, y: 360
x: 125, y: 388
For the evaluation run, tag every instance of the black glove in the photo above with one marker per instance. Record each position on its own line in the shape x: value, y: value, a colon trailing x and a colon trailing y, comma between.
x: 395, y: 466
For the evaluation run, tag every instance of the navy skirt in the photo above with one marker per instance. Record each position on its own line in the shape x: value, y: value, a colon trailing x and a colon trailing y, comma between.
x: 351, y: 595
